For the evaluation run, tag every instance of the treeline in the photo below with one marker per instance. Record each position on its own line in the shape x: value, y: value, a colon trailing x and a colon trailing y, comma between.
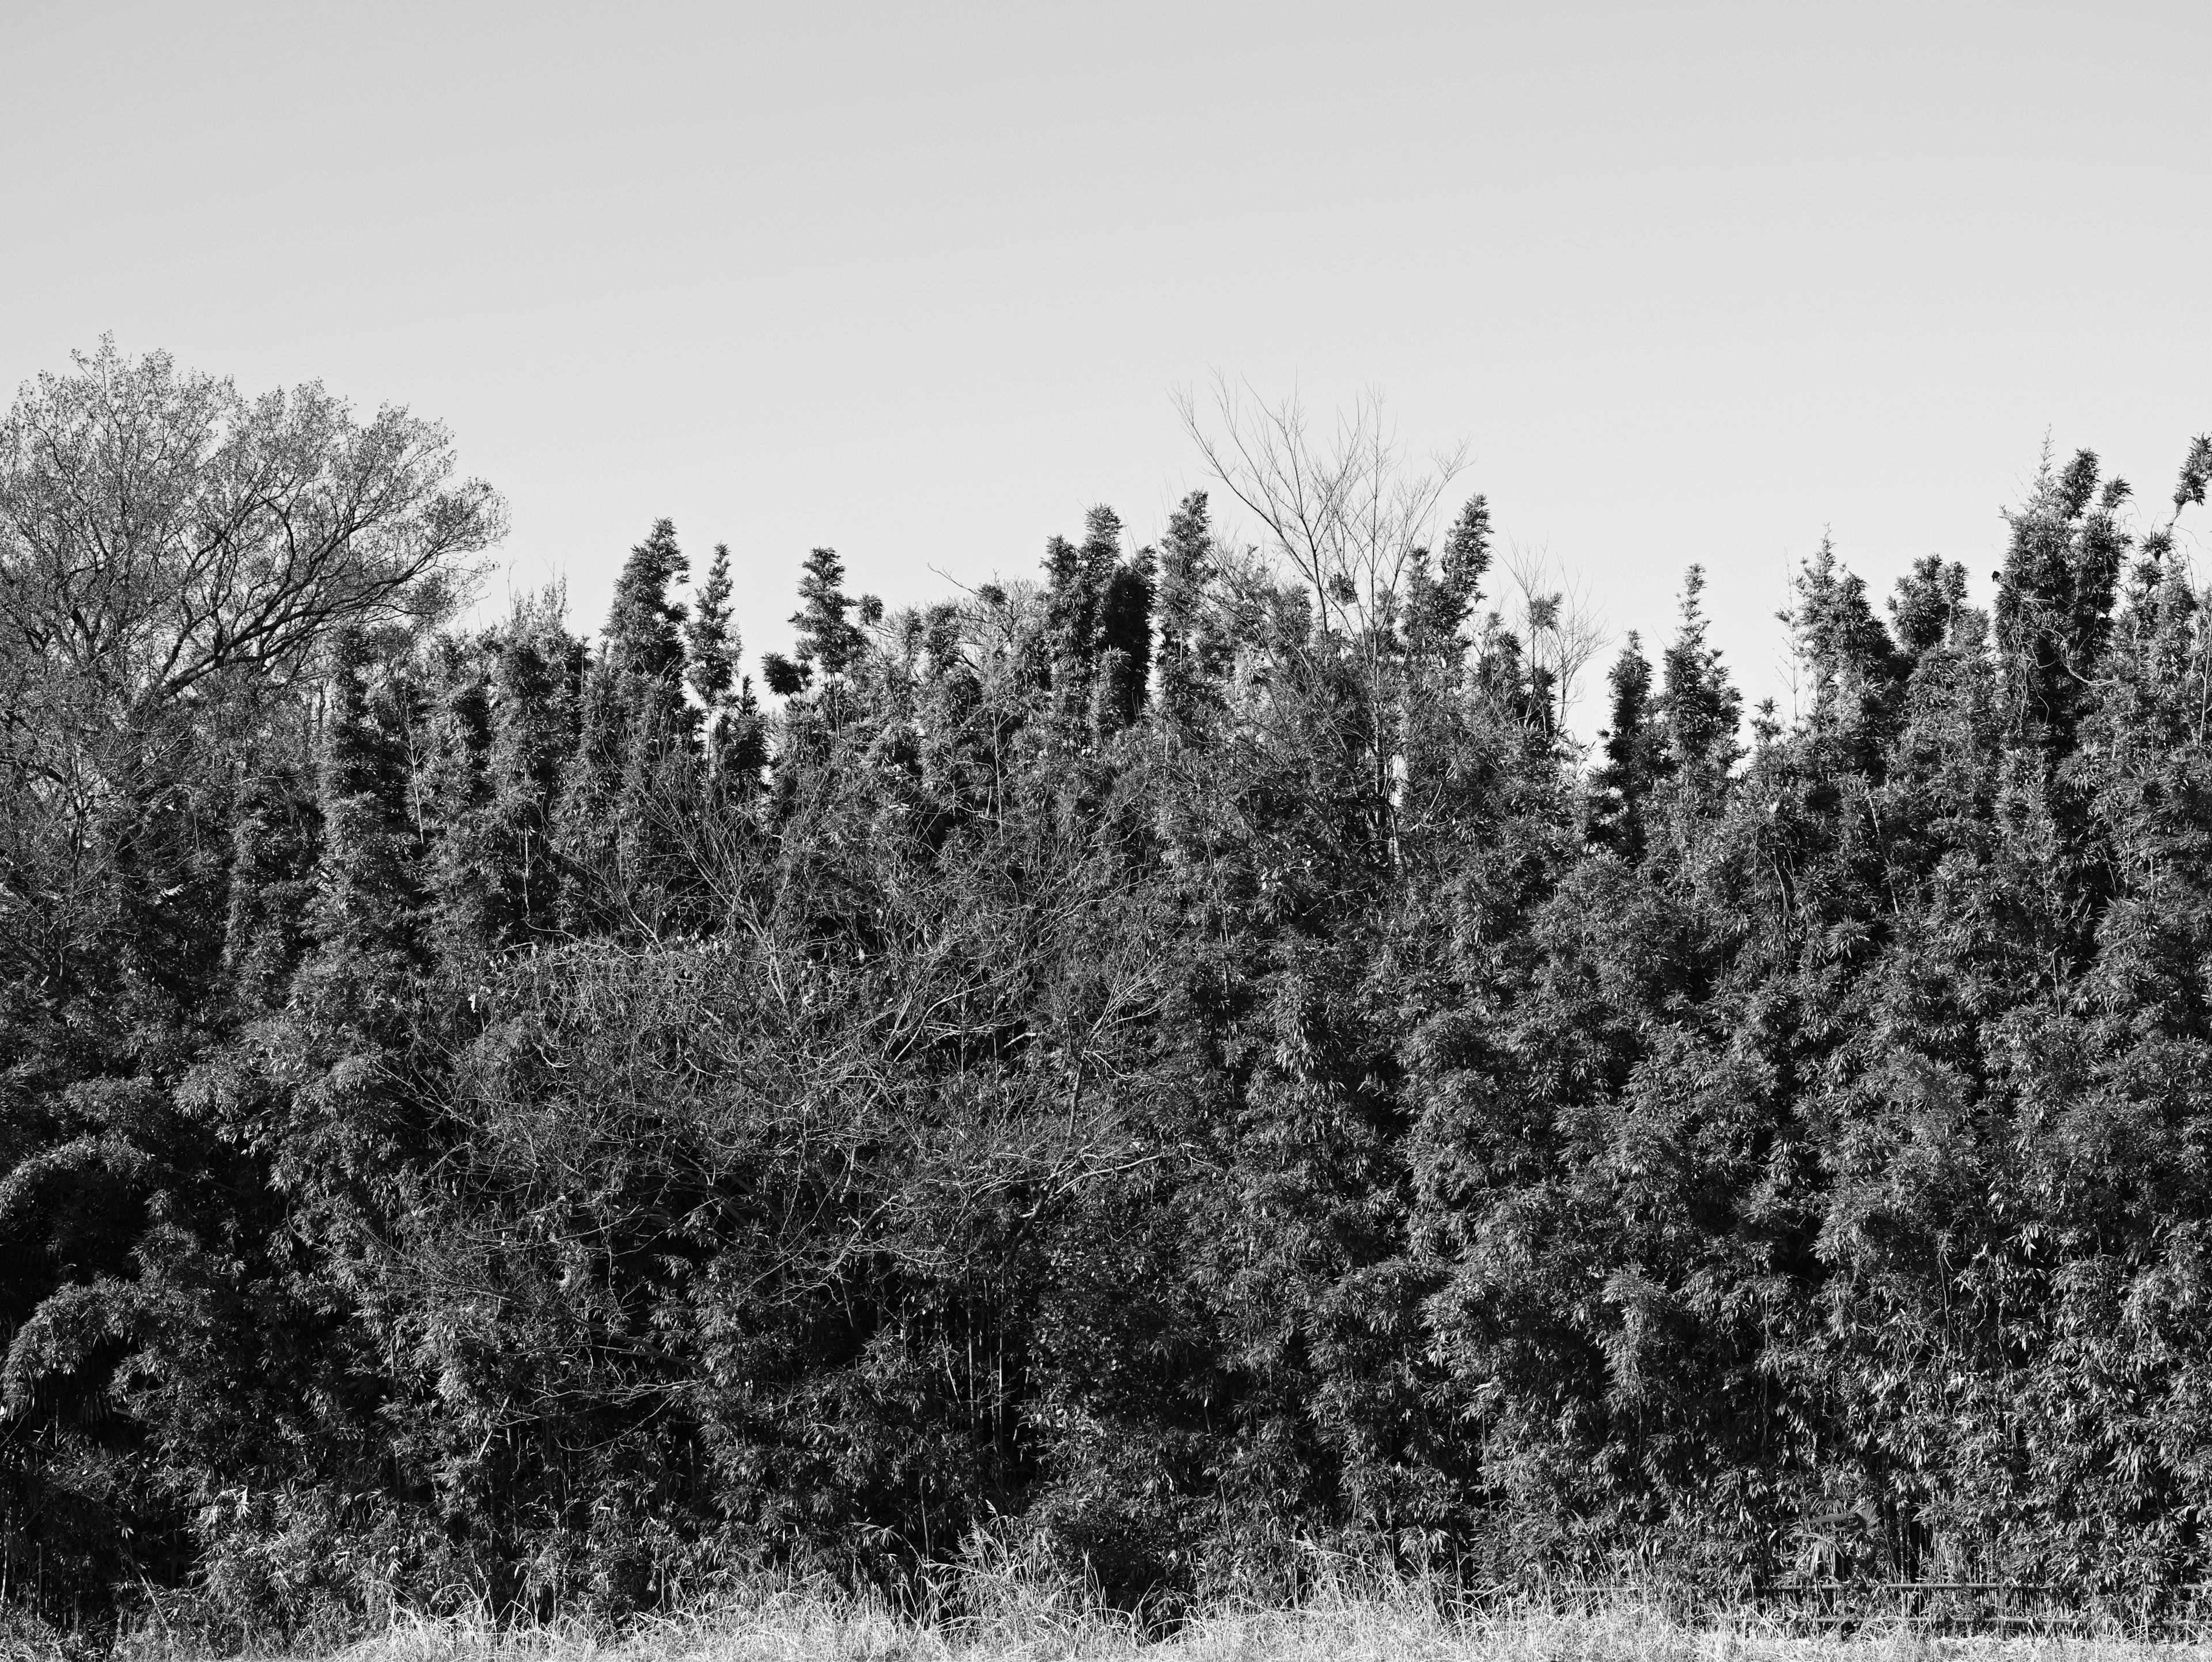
x: 1169, y: 1059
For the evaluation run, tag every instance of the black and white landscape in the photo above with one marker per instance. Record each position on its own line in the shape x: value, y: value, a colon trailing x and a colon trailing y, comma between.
x: 1367, y: 1029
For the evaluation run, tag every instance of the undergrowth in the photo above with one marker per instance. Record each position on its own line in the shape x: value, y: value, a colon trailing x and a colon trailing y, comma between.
x: 997, y: 1606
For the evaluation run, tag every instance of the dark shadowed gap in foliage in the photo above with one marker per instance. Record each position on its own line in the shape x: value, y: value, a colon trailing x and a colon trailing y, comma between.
x: 1145, y: 1067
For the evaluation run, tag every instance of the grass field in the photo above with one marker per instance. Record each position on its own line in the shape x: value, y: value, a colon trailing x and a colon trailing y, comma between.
x: 1369, y: 1628
x: 998, y: 1604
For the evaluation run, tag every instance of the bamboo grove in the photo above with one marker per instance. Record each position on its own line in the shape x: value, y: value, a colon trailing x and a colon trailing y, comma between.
x: 1172, y: 1057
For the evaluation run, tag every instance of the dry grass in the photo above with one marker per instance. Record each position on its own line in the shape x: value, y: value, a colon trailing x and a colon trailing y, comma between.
x: 1374, y: 1625
x: 1000, y: 1604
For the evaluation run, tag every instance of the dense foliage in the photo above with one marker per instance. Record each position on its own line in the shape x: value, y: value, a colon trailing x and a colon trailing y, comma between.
x: 1171, y: 1058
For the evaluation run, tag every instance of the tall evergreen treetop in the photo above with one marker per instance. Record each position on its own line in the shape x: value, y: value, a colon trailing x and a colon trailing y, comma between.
x: 1701, y: 706
x: 645, y: 626
x: 1927, y: 603
x: 1076, y: 577
x: 1462, y: 565
x: 1856, y: 669
x: 1079, y: 579
x: 1187, y: 559
x: 467, y: 887
x: 2055, y: 597
x: 1634, y: 753
x: 828, y: 640
x: 711, y: 638
x: 1102, y: 545
x: 536, y: 677
x: 1125, y: 632
x: 366, y: 886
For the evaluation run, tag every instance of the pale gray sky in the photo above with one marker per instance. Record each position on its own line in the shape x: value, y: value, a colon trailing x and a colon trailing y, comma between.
x: 1695, y: 282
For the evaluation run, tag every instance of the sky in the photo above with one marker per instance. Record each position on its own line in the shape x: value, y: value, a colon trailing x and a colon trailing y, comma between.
x: 1693, y: 283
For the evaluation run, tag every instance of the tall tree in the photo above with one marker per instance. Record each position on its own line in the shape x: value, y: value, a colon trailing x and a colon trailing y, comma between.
x: 713, y: 649
x: 1699, y: 708
x: 644, y: 635
x: 1630, y: 744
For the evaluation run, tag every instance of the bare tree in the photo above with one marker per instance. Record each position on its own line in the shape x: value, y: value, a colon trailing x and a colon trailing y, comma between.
x: 159, y: 530
x: 171, y: 552
x: 1349, y: 516
x: 1561, y: 626
x: 1346, y: 512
